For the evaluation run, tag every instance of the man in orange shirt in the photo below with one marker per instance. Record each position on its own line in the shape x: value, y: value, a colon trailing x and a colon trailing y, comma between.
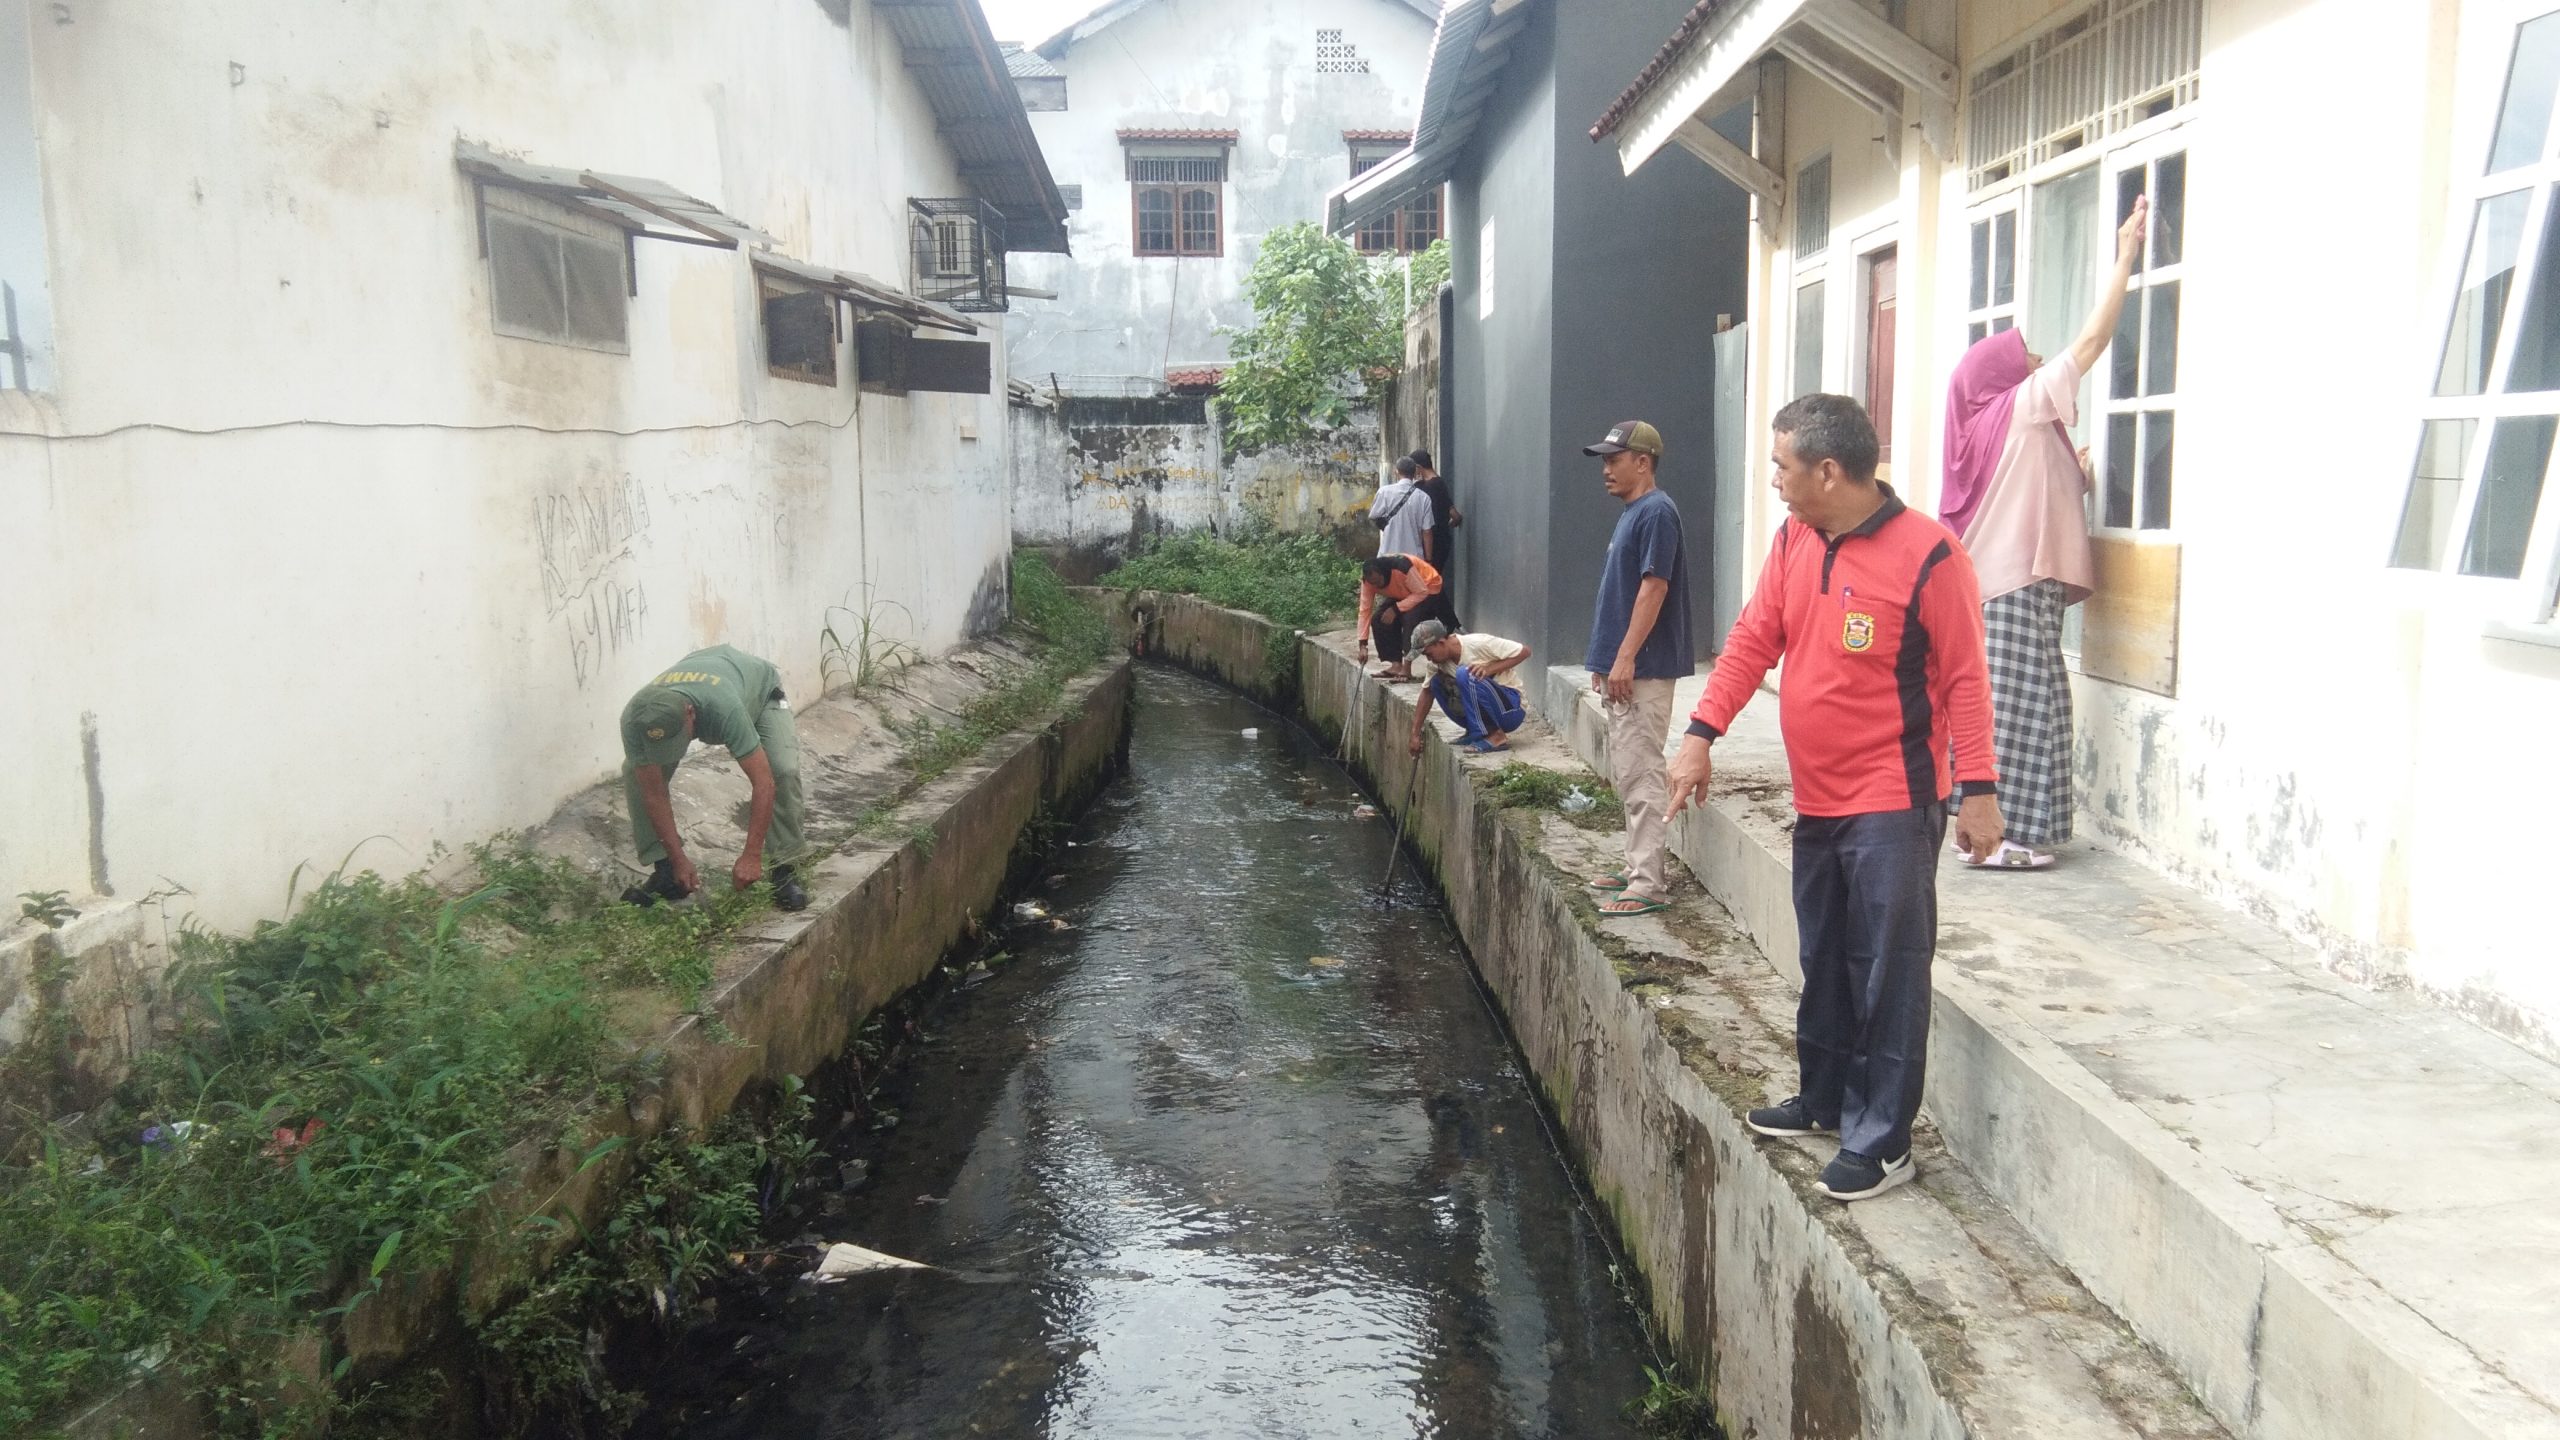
x: 1398, y: 592
x: 1875, y: 609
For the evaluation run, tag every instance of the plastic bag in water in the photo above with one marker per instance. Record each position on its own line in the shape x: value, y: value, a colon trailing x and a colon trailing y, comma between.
x: 1251, y: 733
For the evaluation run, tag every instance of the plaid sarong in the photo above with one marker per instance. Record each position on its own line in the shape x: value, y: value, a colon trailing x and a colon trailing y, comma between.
x: 2031, y: 712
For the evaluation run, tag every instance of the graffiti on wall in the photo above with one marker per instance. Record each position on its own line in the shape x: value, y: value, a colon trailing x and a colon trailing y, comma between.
x: 586, y: 540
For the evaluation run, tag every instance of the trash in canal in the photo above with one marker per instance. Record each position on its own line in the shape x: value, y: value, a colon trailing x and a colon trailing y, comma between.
x: 1324, y: 962
x: 1030, y: 910
x: 1251, y: 732
x: 843, y: 1260
x: 1364, y: 812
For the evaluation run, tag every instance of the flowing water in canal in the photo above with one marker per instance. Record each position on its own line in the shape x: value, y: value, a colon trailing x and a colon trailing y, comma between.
x: 1238, y: 1154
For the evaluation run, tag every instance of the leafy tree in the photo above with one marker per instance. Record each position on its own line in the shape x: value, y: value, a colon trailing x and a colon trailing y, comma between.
x: 1326, y: 338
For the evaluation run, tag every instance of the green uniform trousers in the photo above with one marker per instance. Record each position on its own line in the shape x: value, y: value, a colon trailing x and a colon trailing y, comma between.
x: 783, y: 844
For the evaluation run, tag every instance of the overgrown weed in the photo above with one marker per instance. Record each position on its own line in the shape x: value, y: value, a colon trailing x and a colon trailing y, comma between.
x: 1300, y: 581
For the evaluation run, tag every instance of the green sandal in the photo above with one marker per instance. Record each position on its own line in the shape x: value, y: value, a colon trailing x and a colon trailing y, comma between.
x: 1614, y: 880
x: 1629, y: 905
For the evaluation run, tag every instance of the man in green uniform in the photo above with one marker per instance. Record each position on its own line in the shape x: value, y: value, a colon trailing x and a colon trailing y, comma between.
x: 720, y: 696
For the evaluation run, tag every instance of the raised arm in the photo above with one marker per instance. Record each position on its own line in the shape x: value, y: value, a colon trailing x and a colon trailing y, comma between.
x: 2110, y: 307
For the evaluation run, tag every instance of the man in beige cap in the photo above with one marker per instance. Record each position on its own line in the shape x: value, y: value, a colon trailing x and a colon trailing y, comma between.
x: 1639, y: 647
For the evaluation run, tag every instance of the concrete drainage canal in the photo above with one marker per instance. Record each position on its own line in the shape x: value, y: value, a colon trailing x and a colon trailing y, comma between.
x: 1223, y: 1146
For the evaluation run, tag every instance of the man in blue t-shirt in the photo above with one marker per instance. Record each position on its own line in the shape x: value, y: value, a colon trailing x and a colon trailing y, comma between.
x: 1639, y: 646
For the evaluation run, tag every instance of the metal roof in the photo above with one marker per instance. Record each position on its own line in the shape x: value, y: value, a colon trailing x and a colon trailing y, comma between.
x: 867, y: 293
x: 652, y: 209
x: 966, y: 80
x: 1468, y: 53
x: 1112, y: 12
x: 1024, y: 64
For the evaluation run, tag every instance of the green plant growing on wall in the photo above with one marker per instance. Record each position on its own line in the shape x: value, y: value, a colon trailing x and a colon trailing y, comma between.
x: 1326, y: 337
x: 856, y: 649
x: 1430, y: 271
x: 48, y: 908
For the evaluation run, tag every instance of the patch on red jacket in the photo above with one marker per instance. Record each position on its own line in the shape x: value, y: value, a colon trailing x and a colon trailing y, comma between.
x: 1857, y: 630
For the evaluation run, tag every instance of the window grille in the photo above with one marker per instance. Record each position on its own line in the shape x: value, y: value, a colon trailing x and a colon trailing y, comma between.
x: 958, y: 253
x: 1813, y: 207
x: 1159, y: 169
x: 2105, y: 70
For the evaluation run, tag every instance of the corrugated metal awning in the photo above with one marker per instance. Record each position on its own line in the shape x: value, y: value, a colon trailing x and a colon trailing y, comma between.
x: 956, y: 62
x: 648, y: 209
x: 866, y: 293
x: 1468, y: 53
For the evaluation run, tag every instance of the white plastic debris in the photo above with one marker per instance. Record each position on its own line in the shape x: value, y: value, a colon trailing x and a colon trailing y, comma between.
x: 1030, y: 910
x: 1364, y: 812
x: 1575, y: 802
x: 1250, y: 732
x: 843, y: 1260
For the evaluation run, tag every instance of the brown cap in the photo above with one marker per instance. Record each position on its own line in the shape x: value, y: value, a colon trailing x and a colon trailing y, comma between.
x: 1628, y: 435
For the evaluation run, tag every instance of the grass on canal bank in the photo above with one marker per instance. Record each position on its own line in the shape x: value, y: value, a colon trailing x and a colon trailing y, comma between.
x: 1300, y: 581
x: 349, y: 1088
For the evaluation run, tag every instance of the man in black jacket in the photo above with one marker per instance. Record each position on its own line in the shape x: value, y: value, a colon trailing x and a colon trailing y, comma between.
x: 1445, y: 519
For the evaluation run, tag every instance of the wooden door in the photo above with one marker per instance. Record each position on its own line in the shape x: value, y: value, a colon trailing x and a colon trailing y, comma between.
x: 1880, y: 314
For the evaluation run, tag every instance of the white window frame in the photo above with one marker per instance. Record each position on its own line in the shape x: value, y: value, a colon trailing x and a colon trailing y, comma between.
x: 2521, y: 607
x: 2102, y: 407
x: 2009, y: 199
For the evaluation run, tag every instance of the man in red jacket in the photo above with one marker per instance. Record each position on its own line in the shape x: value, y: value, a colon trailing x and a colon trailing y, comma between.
x: 1875, y: 609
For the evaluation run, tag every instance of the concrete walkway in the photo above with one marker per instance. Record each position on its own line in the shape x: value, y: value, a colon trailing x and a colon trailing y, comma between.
x: 2326, y: 1206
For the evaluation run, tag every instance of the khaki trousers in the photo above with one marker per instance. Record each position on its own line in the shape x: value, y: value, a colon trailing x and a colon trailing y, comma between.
x: 1639, y: 729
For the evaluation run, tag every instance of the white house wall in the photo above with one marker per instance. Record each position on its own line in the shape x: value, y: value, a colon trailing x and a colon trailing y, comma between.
x: 2349, y: 752
x: 1242, y: 65
x: 327, y: 566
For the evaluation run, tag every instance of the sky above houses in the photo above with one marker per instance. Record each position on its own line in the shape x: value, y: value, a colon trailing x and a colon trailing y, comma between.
x: 1032, y: 21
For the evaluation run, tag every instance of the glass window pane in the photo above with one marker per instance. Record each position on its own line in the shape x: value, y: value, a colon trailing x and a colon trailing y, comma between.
x: 2124, y: 353
x: 2159, y: 430
x: 2435, y: 484
x: 2120, y: 465
x: 2480, y: 307
x: 1974, y: 332
x: 2129, y: 185
x: 2160, y: 346
x: 2005, y: 322
x: 2004, y: 258
x: 2062, y: 251
x: 1808, y: 339
x: 2510, y: 487
x: 2524, y: 117
x: 1981, y: 263
x: 2168, y: 209
x: 2537, y: 342
x: 1155, y: 221
x: 1200, y: 222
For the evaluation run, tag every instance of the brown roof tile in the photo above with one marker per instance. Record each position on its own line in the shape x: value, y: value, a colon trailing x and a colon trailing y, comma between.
x: 1224, y: 136
x: 1651, y: 75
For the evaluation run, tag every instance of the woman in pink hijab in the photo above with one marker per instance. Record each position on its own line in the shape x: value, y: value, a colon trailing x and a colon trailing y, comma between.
x: 2017, y: 494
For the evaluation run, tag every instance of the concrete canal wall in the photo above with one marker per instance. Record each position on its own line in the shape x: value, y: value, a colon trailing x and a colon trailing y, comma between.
x: 1932, y: 1314
x: 788, y: 996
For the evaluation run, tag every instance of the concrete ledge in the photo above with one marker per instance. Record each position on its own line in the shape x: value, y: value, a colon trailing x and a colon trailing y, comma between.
x: 788, y: 995
x: 1928, y: 1314
x: 2185, y: 1110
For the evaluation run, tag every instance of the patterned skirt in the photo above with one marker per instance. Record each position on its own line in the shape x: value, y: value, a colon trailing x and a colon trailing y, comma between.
x: 2031, y: 712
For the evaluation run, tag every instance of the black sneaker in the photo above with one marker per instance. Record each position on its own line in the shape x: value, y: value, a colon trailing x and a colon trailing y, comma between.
x: 788, y: 892
x: 1789, y: 1117
x: 1852, y: 1176
x: 661, y: 885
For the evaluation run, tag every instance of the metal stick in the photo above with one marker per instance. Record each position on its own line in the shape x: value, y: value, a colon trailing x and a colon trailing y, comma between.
x: 1412, y: 775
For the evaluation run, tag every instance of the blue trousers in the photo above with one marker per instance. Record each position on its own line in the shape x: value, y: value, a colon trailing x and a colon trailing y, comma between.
x: 1866, y: 889
x: 1477, y: 703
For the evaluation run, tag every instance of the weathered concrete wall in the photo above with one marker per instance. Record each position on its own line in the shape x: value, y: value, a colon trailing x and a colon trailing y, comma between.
x: 789, y: 995
x: 309, y: 560
x: 1095, y: 477
x: 1244, y: 65
x: 1412, y: 418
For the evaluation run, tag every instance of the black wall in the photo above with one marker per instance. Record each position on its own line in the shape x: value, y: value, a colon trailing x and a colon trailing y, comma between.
x: 1606, y: 298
